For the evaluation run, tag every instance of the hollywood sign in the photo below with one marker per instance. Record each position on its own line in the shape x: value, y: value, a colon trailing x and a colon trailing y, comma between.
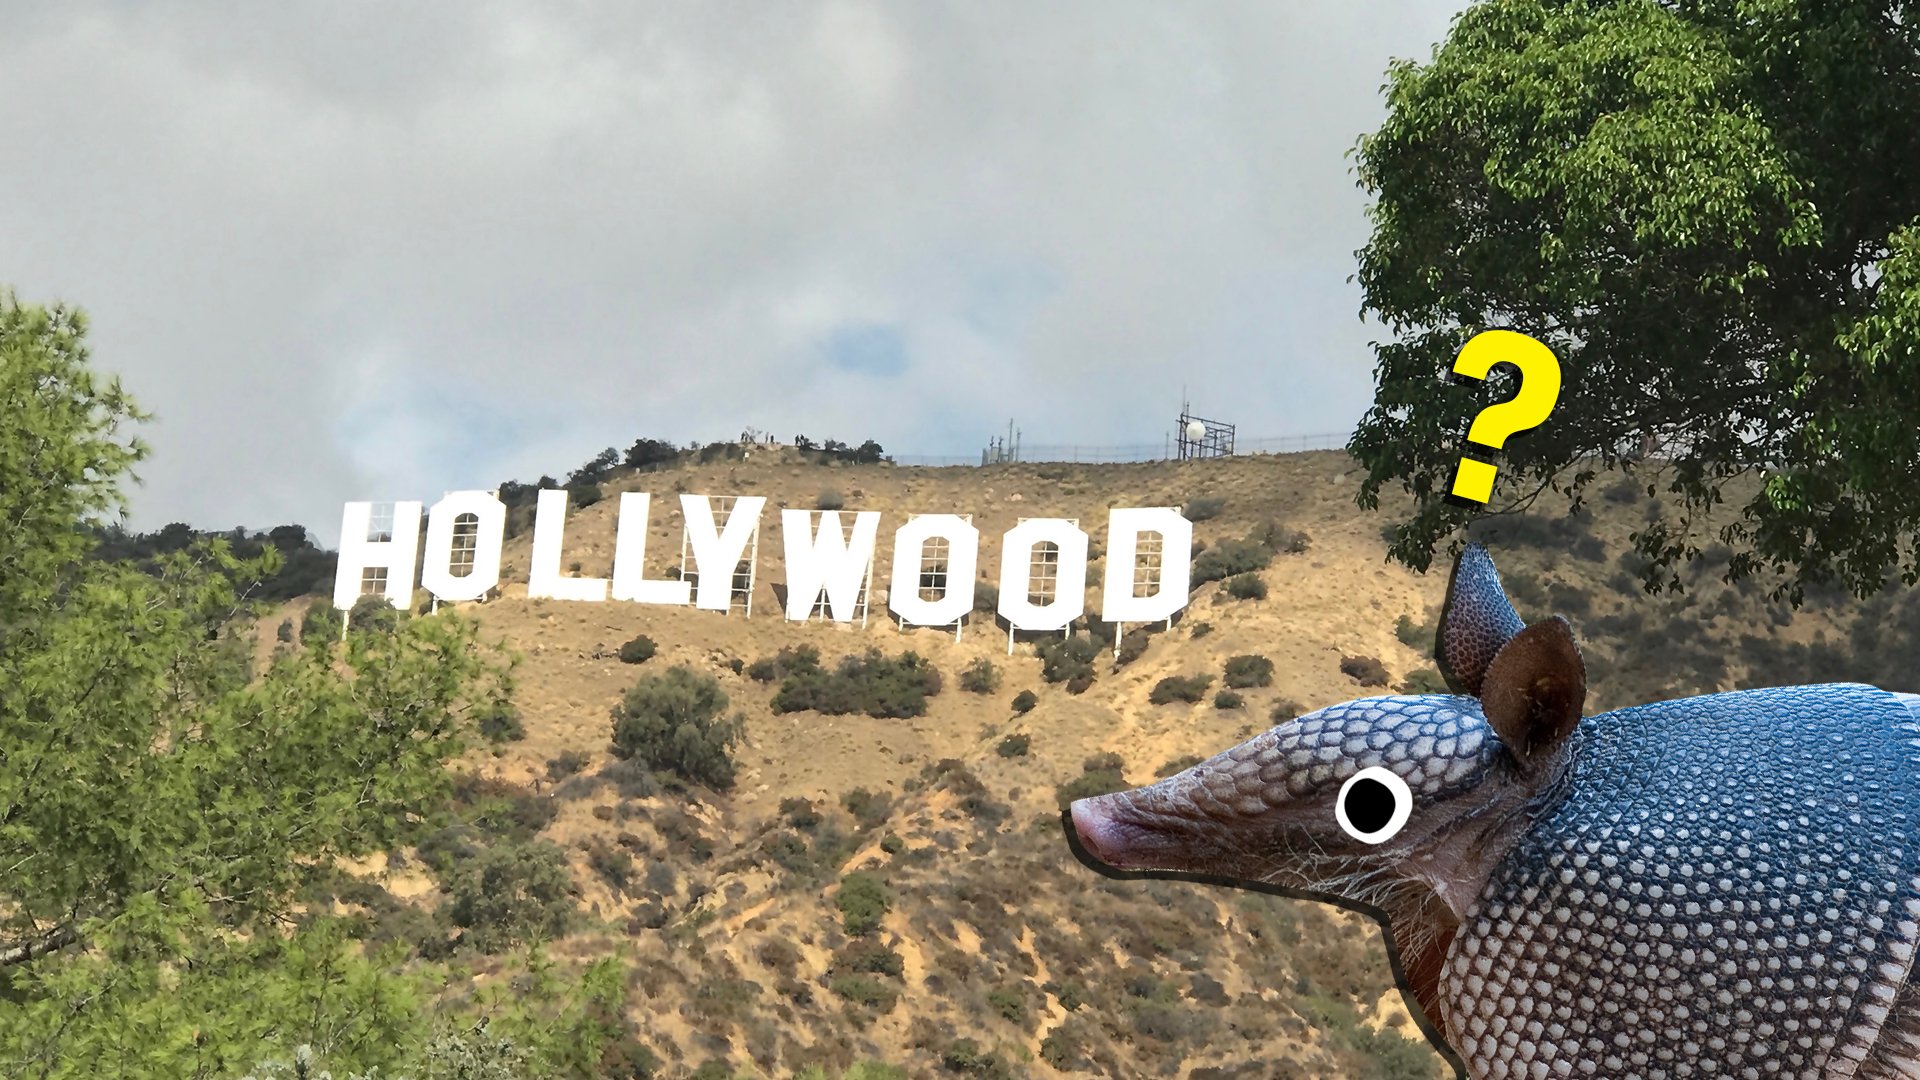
x: 823, y: 559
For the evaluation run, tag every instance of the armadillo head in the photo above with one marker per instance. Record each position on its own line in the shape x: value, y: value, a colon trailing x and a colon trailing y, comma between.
x: 1369, y: 799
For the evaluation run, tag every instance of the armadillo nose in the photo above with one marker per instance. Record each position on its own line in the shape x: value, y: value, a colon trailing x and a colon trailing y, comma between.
x: 1102, y: 836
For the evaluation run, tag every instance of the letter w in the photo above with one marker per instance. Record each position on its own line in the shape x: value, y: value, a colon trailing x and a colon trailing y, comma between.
x: 829, y: 560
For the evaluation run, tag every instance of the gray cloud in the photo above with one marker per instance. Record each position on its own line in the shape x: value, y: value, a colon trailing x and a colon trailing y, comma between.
x: 354, y: 251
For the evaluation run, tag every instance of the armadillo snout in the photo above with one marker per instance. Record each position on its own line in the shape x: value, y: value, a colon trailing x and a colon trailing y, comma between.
x: 1116, y: 830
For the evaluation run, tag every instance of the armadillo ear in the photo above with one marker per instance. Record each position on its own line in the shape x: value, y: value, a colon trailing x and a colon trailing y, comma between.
x: 1476, y: 621
x: 1534, y: 690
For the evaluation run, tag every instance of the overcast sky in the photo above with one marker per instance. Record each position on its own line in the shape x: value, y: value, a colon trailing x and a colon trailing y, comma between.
x: 359, y: 251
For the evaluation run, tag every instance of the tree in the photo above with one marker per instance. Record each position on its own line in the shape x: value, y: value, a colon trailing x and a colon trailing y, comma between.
x: 648, y: 452
x: 160, y: 805
x: 1710, y: 214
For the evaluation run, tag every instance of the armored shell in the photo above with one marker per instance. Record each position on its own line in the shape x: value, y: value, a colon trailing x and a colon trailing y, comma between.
x: 1722, y: 886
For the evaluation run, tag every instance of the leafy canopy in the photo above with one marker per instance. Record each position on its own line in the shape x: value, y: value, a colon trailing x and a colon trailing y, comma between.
x: 1711, y: 214
x: 161, y: 803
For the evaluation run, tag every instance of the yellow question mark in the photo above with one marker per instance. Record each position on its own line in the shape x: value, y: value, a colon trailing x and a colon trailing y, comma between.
x: 1539, y: 390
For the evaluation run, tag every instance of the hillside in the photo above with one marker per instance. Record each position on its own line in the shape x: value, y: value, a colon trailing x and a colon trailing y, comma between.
x: 999, y: 954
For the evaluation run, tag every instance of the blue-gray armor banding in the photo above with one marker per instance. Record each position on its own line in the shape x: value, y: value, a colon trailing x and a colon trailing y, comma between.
x: 1719, y: 886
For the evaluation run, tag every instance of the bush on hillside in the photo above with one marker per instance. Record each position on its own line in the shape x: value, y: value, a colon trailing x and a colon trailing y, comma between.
x: 829, y: 500
x: 1228, y: 559
x: 1422, y: 681
x: 1098, y: 776
x: 787, y: 661
x: 499, y: 722
x: 1187, y: 688
x: 1203, y: 509
x: 1247, y: 587
x: 1024, y: 701
x: 1412, y: 634
x: 980, y: 677
x: 1248, y: 671
x: 872, y: 683
x: 321, y: 623
x: 512, y: 894
x: 1229, y: 699
x: 863, y: 901
x: 638, y: 651
x: 1062, y: 659
x: 673, y: 723
x: 1365, y: 670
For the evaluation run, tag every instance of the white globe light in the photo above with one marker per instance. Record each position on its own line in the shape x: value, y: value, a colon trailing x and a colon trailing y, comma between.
x: 1196, y: 431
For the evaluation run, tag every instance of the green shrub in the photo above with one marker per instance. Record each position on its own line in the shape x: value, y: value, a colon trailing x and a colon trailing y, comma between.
x: 1283, y: 711
x: 1062, y: 659
x: 865, y: 990
x: 1187, y: 688
x: 1412, y: 634
x: 1014, y: 746
x: 612, y: 865
x: 1200, y: 630
x: 892, y: 844
x: 1023, y: 702
x: 638, y: 651
x: 581, y: 496
x: 374, y: 615
x: 863, y: 901
x: 1248, y: 671
x: 980, y: 677
x: 1179, y: 764
x: 829, y: 500
x: 1203, y: 509
x: 868, y: 808
x: 1099, y: 775
x: 1423, y: 681
x: 1280, y: 539
x: 1008, y: 1002
x: 789, y: 661
x: 673, y: 723
x: 1365, y: 670
x: 1247, y: 587
x: 1132, y: 645
x: 511, y: 894
x: 499, y: 721
x: 800, y: 813
x: 1229, y: 559
x: 1229, y: 699
x: 877, y: 685
x: 566, y: 764
x: 285, y: 633
x: 986, y: 597
x: 321, y: 623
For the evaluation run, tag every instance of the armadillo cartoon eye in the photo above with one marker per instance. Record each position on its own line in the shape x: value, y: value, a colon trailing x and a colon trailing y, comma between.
x: 1374, y: 805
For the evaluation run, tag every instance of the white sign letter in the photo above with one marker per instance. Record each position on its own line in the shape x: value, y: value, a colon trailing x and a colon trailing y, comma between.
x: 1016, y: 571
x: 963, y: 557
x: 829, y: 561
x: 549, y: 537
x: 1124, y: 526
x: 359, y: 554
x: 436, y: 573
x: 630, y: 558
x: 717, y: 553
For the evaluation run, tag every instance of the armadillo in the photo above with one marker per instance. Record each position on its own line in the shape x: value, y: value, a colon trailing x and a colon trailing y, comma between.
x: 1717, y: 886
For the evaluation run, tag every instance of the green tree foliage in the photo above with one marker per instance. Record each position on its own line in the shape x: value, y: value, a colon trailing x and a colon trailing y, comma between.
x: 864, y: 900
x: 674, y: 723
x: 160, y: 805
x: 1707, y: 212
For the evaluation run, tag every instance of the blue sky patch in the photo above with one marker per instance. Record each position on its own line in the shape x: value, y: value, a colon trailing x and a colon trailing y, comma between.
x: 878, y: 349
